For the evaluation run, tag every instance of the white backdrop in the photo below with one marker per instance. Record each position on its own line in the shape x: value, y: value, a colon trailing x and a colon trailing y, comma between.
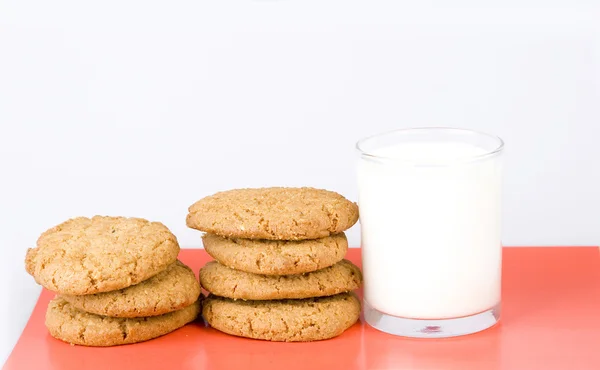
x: 140, y: 108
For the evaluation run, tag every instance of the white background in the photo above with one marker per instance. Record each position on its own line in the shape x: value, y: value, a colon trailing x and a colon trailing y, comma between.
x: 140, y: 108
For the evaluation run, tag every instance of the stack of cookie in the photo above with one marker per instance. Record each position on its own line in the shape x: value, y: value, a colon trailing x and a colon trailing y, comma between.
x: 118, y: 281
x: 279, y: 272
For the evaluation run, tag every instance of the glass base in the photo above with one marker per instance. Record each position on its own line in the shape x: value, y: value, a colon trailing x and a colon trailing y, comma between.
x: 433, y: 328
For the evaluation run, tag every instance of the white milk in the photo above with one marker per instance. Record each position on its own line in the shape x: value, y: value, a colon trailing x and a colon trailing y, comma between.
x: 430, y: 234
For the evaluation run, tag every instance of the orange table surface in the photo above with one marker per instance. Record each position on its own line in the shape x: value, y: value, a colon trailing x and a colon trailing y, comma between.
x: 550, y: 320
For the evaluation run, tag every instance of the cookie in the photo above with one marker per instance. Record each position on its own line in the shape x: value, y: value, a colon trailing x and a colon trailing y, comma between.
x: 223, y: 281
x: 273, y: 213
x: 88, y: 256
x: 292, y: 320
x: 170, y: 290
x: 71, y: 325
x: 276, y: 257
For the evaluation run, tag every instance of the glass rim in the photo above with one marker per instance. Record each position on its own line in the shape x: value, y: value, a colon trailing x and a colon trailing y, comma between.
x: 489, y: 153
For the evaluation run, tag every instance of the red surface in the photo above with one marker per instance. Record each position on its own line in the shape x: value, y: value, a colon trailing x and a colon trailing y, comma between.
x: 550, y: 320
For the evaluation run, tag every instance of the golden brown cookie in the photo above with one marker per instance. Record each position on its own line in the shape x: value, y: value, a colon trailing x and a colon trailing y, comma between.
x: 223, y: 281
x: 168, y: 291
x: 273, y: 213
x: 292, y: 320
x: 276, y: 257
x: 78, y: 327
x: 88, y: 256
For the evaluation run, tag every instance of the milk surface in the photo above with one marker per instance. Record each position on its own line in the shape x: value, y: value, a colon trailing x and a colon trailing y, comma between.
x: 430, y: 223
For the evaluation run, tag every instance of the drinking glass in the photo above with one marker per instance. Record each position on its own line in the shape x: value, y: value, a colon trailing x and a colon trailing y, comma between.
x: 430, y: 216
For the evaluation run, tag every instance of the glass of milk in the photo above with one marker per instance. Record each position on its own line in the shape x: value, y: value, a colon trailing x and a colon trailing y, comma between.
x: 430, y: 215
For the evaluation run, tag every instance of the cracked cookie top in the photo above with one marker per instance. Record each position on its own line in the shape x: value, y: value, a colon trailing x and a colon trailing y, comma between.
x: 220, y: 280
x: 100, y: 254
x: 273, y: 213
x: 276, y: 257
x: 71, y: 325
x: 170, y: 290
